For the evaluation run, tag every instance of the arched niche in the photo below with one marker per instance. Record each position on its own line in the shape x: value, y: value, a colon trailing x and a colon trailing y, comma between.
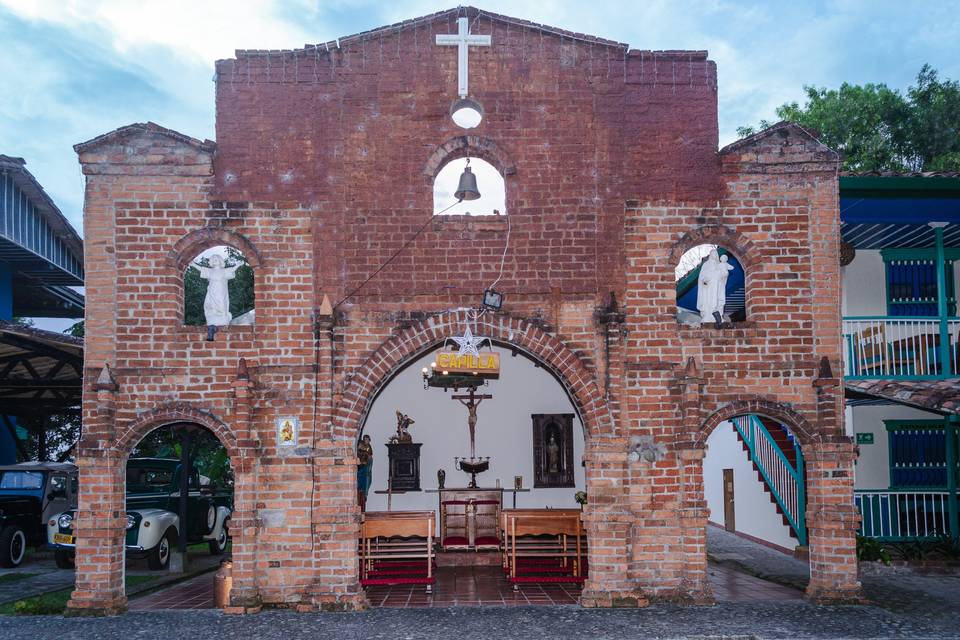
x: 689, y: 272
x: 216, y: 266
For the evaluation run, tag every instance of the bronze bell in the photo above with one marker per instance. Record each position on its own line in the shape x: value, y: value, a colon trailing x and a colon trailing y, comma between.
x: 467, y: 190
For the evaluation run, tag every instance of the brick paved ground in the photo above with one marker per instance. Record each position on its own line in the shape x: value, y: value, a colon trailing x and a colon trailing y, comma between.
x: 476, y: 586
x: 196, y: 593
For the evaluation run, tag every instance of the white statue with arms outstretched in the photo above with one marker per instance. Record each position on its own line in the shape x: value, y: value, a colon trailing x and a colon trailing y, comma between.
x: 216, y: 304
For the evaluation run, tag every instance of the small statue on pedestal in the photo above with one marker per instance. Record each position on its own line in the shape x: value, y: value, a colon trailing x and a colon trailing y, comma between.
x: 441, y: 478
x: 403, y: 424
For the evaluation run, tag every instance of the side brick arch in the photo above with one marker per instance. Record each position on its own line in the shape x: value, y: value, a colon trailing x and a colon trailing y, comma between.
x: 187, y: 247
x: 173, y: 413
x: 767, y: 408
x: 726, y: 237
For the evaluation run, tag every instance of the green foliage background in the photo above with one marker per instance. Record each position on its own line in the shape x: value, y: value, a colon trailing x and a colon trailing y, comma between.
x: 195, y: 289
x: 876, y: 128
x: 210, y: 457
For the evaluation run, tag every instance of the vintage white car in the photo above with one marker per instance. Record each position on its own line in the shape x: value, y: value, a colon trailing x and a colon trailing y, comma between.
x: 153, y: 526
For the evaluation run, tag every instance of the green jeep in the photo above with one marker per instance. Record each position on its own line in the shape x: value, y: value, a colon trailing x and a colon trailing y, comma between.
x: 30, y: 493
x: 153, y: 523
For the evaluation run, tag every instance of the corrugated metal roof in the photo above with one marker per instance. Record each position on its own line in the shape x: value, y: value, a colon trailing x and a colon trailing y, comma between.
x: 35, y: 237
x: 891, y: 236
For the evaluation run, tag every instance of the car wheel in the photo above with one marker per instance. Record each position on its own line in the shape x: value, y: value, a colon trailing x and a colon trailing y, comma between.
x: 13, y: 546
x: 218, y: 544
x: 211, y: 518
x: 64, y: 559
x: 159, y: 557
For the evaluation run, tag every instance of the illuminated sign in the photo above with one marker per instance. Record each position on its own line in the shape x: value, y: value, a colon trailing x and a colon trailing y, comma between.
x: 486, y: 365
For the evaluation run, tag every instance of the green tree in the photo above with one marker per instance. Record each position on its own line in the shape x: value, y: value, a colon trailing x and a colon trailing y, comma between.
x: 876, y: 128
x: 49, y: 437
x: 240, y: 288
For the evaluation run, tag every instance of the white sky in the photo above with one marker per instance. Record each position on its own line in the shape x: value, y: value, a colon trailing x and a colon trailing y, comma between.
x: 74, y: 69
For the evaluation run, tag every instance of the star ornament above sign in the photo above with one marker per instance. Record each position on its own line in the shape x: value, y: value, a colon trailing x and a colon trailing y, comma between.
x: 468, y: 343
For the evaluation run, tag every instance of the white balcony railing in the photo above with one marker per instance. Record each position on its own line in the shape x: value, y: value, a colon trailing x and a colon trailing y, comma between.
x: 900, y: 347
x: 903, y: 515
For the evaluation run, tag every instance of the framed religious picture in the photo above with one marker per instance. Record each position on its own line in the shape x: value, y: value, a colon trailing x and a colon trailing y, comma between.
x: 288, y: 431
x: 552, y: 450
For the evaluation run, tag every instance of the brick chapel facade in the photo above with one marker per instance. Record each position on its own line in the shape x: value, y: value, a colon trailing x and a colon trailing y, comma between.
x: 323, y: 168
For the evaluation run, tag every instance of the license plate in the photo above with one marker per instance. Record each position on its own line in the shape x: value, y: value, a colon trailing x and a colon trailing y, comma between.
x: 62, y: 538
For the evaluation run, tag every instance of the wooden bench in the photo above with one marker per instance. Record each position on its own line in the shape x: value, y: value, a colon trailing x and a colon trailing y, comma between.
x: 396, y: 547
x: 543, y: 541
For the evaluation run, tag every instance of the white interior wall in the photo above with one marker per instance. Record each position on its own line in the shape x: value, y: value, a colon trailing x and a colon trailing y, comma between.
x: 754, y: 513
x: 504, y: 432
x: 872, y: 468
x: 864, y: 285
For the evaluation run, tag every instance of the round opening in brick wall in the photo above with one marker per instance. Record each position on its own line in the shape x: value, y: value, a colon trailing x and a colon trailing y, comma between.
x: 466, y: 113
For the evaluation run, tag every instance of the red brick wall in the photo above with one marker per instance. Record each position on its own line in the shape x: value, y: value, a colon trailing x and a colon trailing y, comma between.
x: 323, y: 169
x: 579, y: 123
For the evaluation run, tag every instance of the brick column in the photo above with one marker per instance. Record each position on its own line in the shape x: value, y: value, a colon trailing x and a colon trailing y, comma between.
x: 244, y: 596
x: 832, y: 517
x: 832, y: 523
x: 609, y: 526
x: 336, y: 513
x: 100, y: 520
x: 695, y: 585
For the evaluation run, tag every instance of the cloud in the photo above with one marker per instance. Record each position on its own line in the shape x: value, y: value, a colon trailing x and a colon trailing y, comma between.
x: 79, y: 68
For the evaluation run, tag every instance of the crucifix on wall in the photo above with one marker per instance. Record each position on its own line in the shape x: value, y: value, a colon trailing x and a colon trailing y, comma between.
x: 463, y: 40
x: 471, y: 402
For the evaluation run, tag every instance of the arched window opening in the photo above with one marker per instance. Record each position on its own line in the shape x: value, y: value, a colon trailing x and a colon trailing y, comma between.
x: 711, y: 286
x: 490, y: 184
x: 218, y: 289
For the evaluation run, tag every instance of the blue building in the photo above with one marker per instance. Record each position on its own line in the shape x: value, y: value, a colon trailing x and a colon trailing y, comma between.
x: 41, y: 258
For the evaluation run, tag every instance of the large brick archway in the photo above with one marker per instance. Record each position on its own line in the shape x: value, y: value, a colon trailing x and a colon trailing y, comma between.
x: 600, y: 430
x: 411, y: 342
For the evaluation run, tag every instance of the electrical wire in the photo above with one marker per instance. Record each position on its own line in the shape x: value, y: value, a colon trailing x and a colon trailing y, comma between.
x: 397, y: 253
x: 503, y: 258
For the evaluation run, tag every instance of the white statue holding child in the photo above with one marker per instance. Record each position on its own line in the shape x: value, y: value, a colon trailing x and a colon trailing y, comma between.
x: 712, y: 287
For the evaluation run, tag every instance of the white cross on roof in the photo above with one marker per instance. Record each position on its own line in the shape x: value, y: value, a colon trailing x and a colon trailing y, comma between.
x: 462, y: 39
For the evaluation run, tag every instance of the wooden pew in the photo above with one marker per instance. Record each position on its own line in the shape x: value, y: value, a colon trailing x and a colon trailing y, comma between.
x: 525, y: 531
x: 532, y: 543
x: 396, y: 547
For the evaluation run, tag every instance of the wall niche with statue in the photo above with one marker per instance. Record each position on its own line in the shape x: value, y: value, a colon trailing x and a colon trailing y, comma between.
x: 552, y: 450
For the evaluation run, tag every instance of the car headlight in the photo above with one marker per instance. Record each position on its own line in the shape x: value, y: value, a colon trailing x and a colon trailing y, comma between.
x: 65, y: 521
x: 131, y: 521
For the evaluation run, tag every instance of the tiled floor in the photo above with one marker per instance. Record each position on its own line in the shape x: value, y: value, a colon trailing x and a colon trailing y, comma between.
x: 196, y: 593
x: 730, y: 585
x: 477, y: 586
x: 472, y: 586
